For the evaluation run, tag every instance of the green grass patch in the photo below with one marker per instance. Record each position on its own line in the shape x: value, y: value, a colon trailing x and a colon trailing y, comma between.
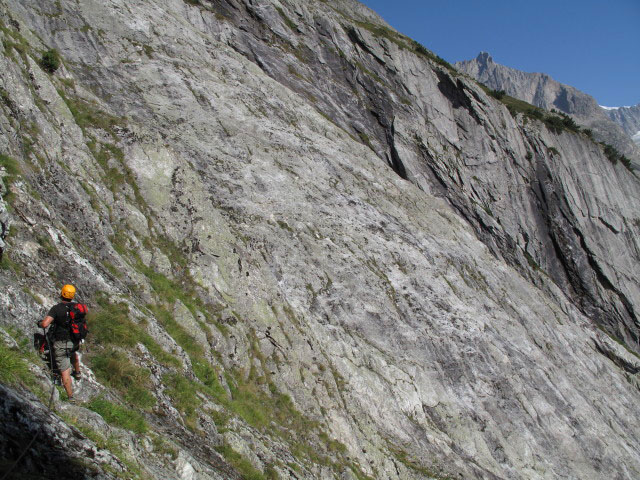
x: 119, y: 416
x: 13, y: 367
x: 89, y: 115
x: 110, y: 325
x: 381, y: 31
x: 209, y: 378
x: 618, y: 341
x: 115, y: 369
x: 161, y: 446
x: 13, y: 171
x: 19, y: 44
x: 241, y: 464
x: 10, y: 165
x: 6, y: 99
x: 179, y: 334
x: 114, y: 176
x: 6, y: 263
x: 411, y: 464
x: 184, y: 396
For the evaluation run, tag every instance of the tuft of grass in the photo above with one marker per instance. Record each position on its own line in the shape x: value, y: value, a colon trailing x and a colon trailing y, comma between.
x: 111, y: 326
x: 553, y: 151
x: 10, y: 164
x: 209, y: 378
x: 288, y: 22
x: 240, y: 463
x: 13, y: 368
x: 89, y: 115
x: 12, y: 170
x: 532, y: 263
x: 160, y: 445
x: 118, y: 415
x: 179, y: 334
x: 184, y: 396
x: 116, y: 370
x: 411, y: 464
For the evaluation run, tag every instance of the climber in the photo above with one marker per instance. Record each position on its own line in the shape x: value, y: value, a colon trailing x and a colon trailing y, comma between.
x: 65, y: 342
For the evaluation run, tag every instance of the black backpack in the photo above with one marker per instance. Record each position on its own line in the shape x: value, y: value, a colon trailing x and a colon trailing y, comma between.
x: 77, y: 321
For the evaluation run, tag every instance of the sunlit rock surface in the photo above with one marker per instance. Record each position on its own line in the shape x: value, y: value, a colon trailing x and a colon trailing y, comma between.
x: 413, y: 282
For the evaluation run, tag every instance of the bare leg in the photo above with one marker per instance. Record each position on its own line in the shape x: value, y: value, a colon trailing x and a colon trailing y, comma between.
x: 75, y: 360
x: 66, y: 382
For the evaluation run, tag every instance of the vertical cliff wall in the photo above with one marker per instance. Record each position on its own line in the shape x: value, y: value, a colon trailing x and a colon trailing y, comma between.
x: 312, y: 250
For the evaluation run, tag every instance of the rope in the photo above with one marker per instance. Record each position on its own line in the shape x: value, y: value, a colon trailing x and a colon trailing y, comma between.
x: 53, y: 389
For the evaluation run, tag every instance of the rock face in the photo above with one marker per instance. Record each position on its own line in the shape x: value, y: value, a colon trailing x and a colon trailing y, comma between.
x: 541, y: 90
x: 629, y: 119
x: 312, y: 250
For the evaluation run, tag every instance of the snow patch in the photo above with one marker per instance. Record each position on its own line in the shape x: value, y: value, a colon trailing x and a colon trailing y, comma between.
x: 636, y: 137
x: 613, y: 108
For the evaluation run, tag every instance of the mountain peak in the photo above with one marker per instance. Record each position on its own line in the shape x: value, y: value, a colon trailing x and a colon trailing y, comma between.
x: 484, y: 58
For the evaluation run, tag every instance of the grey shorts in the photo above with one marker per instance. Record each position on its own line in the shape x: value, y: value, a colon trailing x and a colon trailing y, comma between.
x: 63, y: 350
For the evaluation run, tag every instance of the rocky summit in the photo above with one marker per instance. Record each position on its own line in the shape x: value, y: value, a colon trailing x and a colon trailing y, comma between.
x: 311, y: 249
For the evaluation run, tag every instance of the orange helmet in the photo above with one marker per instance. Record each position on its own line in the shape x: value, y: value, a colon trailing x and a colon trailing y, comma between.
x: 68, y: 292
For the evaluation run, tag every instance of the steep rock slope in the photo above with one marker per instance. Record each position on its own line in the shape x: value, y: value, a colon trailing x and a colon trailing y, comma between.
x: 628, y: 118
x: 541, y: 90
x: 333, y: 257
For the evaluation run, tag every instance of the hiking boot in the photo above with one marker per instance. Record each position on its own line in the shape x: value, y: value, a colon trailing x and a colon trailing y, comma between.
x: 77, y: 375
x: 73, y: 401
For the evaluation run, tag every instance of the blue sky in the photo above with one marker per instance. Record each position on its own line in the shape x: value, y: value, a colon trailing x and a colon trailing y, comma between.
x: 593, y: 45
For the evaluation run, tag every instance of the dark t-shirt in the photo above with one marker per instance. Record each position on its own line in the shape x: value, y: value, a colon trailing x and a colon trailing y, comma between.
x: 60, y: 314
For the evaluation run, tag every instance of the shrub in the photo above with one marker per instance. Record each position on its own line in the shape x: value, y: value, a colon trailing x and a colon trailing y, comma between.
x: 535, y: 113
x: 50, y: 61
x: 499, y: 94
x: 568, y: 122
x: 611, y: 153
x: 554, y: 123
x: 614, y: 156
x: 422, y: 50
x: 626, y: 162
